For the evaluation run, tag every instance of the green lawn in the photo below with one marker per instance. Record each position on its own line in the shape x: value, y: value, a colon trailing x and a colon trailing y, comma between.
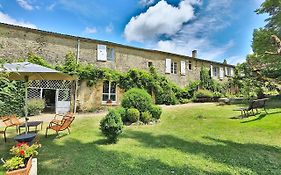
x: 197, y: 140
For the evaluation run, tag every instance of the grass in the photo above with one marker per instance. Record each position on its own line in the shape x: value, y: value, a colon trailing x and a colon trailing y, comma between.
x: 192, y: 140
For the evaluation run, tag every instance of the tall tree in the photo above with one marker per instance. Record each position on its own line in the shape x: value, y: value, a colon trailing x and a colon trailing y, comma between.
x: 266, y: 59
x: 273, y: 9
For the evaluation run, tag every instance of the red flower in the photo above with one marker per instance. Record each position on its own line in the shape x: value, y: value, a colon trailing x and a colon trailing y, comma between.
x: 21, y: 144
x: 22, y: 152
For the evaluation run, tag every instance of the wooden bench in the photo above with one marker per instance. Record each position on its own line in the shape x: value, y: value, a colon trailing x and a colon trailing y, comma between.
x: 253, y: 106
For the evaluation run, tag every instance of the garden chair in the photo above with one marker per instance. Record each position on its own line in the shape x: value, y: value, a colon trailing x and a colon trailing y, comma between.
x: 64, y: 116
x: 61, y: 125
x: 8, y: 123
x: 15, y: 121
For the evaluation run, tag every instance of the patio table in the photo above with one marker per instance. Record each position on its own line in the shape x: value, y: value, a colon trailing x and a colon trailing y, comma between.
x: 31, y: 124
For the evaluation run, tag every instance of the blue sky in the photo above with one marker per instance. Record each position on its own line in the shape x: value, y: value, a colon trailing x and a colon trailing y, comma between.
x: 218, y: 29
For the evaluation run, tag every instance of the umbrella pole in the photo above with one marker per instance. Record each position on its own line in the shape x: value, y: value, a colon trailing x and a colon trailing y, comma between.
x: 25, y: 102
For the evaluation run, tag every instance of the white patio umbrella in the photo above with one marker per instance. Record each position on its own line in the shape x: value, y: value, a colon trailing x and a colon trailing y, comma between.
x: 28, y: 71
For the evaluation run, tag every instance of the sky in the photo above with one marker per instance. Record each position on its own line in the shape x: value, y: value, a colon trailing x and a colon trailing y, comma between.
x: 217, y: 29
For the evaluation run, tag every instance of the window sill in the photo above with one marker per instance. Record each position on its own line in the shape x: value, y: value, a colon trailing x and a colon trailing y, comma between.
x: 109, y: 104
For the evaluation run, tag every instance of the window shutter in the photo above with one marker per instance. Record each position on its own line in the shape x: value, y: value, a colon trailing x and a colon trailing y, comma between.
x: 101, y: 55
x: 225, y: 70
x: 168, y: 66
x: 221, y: 73
x: 231, y: 72
x: 182, y: 67
x: 211, y: 70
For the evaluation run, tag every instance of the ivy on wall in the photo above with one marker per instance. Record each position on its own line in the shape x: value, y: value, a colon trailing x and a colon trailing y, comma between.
x: 164, y: 91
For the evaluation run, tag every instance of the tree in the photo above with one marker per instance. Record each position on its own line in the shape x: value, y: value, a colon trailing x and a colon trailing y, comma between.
x: 265, y: 62
x: 273, y: 9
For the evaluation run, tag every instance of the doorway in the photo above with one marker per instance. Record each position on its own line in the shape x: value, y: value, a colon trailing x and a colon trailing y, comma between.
x: 50, y: 99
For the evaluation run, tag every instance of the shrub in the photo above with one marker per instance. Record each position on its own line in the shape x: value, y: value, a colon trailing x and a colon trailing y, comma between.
x: 133, y: 115
x: 155, y: 111
x: 145, y: 117
x: 202, y: 93
x: 35, y: 106
x: 122, y: 112
x: 137, y: 98
x: 217, y: 95
x: 11, y: 97
x: 111, y: 126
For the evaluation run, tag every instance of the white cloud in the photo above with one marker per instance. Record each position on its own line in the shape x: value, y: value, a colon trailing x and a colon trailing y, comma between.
x: 51, y: 7
x: 25, y: 4
x: 146, y: 2
x: 184, y: 37
x: 5, y: 18
x: 90, y: 30
x: 109, y: 28
x: 161, y: 19
x: 236, y: 59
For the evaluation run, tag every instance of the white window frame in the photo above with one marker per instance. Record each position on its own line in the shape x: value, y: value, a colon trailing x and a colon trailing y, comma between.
x: 168, y: 66
x: 174, y: 67
x: 109, y: 93
x: 215, y: 71
x: 183, y: 68
x: 101, y: 52
x: 110, y: 52
x: 221, y: 73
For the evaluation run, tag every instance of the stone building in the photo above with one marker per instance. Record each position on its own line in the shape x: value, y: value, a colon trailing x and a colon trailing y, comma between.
x: 16, y: 42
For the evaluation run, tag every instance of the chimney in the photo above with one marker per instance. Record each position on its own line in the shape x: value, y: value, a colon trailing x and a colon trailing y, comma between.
x: 194, y: 53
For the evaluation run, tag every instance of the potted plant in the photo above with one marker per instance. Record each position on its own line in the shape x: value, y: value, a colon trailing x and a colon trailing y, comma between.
x: 21, y: 162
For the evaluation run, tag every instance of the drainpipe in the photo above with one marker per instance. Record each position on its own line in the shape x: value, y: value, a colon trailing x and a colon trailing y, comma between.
x: 76, y: 81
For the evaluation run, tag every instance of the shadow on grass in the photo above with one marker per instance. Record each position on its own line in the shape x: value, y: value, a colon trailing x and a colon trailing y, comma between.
x: 74, y: 157
x: 261, y: 116
x: 260, y: 159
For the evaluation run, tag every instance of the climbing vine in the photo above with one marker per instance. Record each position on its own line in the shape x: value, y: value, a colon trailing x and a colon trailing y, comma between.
x: 164, y: 91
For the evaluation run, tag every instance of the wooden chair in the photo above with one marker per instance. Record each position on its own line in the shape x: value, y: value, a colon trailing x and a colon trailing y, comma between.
x: 64, y: 116
x: 8, y: 123
x: 61, y: 125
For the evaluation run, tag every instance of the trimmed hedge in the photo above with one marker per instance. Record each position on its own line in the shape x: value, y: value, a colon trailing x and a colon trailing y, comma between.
x: 112, y: 126
x: 155, y: 111
x: 146, y: 117
x: 137, y: 98
x: 133, y: 115
x: 122, y: 112
x: 202, y: 93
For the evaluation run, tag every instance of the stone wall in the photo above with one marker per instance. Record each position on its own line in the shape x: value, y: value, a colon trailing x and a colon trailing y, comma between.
x: 17, y: 42
x: 90, y: 97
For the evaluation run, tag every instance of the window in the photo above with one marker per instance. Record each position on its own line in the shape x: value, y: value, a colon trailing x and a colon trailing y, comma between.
x: 228, y: 71
x: 110, y: 54
x: 149, y: 64
x: 174, y: 67
x: 101, y: 52
x: 189, y: 66
x: 215, y: 71
x: 109, y: 91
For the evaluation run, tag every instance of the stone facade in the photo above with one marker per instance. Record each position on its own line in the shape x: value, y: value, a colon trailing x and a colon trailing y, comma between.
x: 16, y: 42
